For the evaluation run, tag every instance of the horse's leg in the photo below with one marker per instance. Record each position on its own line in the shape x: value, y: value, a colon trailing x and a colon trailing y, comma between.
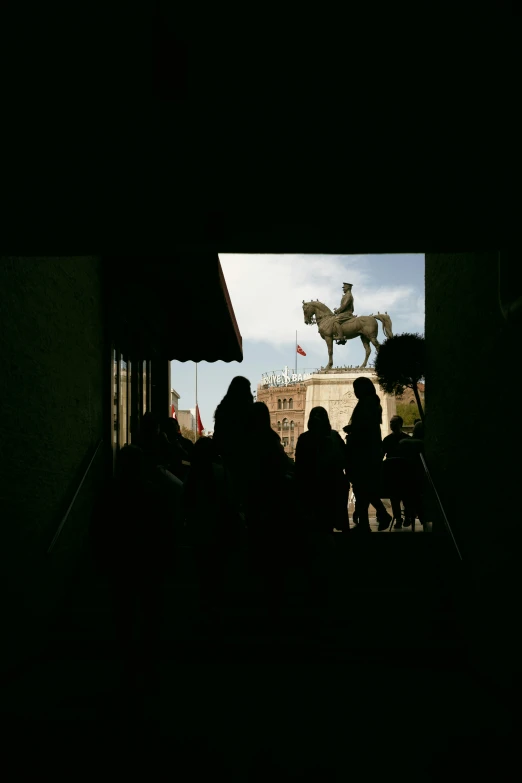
x: 366, y: 343
x: 329, y: 342
x: 372, y: 337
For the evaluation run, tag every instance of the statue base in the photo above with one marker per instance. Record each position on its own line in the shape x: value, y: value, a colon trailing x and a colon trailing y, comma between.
x: 333, y: 390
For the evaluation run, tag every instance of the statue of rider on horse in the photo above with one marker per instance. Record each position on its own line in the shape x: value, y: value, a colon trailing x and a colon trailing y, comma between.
x: 344, y: 313
x: 342, y: 325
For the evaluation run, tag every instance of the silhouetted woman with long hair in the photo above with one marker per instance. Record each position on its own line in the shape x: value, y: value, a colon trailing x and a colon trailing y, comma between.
x: 269, y: 483
x: 231, y: 435
x: 364, y: 444
x: 320, y: 461
x: 322, y: 495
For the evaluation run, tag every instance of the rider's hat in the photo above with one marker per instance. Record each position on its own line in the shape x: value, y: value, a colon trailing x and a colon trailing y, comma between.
x: 350, y: 284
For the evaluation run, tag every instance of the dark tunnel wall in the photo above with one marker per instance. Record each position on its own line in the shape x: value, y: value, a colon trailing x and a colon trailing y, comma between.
x: 473, y: 434
x: 52, y: 391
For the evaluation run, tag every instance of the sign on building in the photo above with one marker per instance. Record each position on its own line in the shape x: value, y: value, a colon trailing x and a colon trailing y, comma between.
x: 284, y: 378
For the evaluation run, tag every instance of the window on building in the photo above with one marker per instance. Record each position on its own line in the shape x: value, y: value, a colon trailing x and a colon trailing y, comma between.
x: 279, y: 425
x: 285, y: 442
x: 285, y: 424
x: 292, y: 425
x: 144, y: 395
x: 124, y: 399
x: 290, y: 403
x: 285, y: 404
x: 279, y: 404
x: 292, y: 441
x: 116, y: 392
x: 131, y: 397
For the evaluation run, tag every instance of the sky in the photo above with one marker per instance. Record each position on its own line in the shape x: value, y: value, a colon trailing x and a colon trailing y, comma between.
x: 267, y: 292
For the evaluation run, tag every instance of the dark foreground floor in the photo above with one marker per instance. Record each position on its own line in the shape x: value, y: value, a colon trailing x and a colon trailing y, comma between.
x: 375, y: 683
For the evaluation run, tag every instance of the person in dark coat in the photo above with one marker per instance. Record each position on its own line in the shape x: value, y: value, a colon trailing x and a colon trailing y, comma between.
x: 134, y: 536
x: 390, y: 444
x: 322, y: 496
x: 179, y: 451
x: 173, y: 432
x: 390, y: 447
x: 208, y: 515
x: 150, y: 439
x: 320, y: 462
x: 231, y: 422
x: 409, y: 451
x: 364, y: 445
x: 269, y: 484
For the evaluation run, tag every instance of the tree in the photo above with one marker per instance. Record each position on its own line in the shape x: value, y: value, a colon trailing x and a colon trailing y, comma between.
x: 408, y: 413
x: 400, y: 364
x: 190, y: 434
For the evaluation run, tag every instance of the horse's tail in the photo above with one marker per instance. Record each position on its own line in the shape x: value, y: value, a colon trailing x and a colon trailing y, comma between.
x: 386, y: 323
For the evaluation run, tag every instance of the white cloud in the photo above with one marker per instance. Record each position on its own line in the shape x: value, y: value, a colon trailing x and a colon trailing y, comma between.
x: 267, y: 292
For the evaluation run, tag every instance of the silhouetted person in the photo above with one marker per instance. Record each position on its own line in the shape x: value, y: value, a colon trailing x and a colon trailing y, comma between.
x: 390, y: 447
x: 231, y: 435
x: 409, y: 451
x: 269, y: 484
x: 390, y: 444
x: 207, y: 510
x: 178, y: 452
x: 411, y: 447
x: 322, y: 490
x: 320, y: 461
x: 149, y: 438
x: 134, y: 538
x: 174, y: 435
x: 364, y: 446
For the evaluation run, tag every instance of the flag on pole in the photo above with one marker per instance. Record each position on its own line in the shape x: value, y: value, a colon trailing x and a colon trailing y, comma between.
x: 300, y: 350
x: 199, y: 423
x: 173, y: 413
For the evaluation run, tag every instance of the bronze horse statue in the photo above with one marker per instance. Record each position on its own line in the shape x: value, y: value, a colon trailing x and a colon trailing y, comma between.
x: 363, y: 326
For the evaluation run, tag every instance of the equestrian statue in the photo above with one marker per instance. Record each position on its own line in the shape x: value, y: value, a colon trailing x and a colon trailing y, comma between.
x: 342, y: 324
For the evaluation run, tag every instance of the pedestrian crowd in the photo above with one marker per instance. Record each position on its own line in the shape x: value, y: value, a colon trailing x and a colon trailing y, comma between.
x: 220, y: 498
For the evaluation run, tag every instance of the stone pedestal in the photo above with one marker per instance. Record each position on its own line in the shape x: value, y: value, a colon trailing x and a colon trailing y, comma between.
x: 334, y: 391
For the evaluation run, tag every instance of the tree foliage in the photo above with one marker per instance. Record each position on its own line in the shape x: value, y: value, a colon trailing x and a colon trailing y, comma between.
x: 190, y: 434
x: 401, y: 363
x: 408, y: 412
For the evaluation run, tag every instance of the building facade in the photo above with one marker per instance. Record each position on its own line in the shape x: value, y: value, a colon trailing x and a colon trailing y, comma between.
x: 287, y: 407
x: 187, y: 419
x: 174, y: 400
x: 124, y: 386
x: 408, y: 395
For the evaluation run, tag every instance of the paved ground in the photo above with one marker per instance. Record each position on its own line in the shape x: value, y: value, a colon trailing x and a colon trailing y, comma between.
x: 374, y: 524
x: 371, y: 686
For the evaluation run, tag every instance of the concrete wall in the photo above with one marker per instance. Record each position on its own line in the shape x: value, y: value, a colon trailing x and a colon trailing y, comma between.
x: 473, y: 436
x: 334, y: 392
x: 52, y: 388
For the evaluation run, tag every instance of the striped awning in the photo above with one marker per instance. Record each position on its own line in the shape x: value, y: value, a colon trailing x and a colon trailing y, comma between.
x: 172, y: 307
